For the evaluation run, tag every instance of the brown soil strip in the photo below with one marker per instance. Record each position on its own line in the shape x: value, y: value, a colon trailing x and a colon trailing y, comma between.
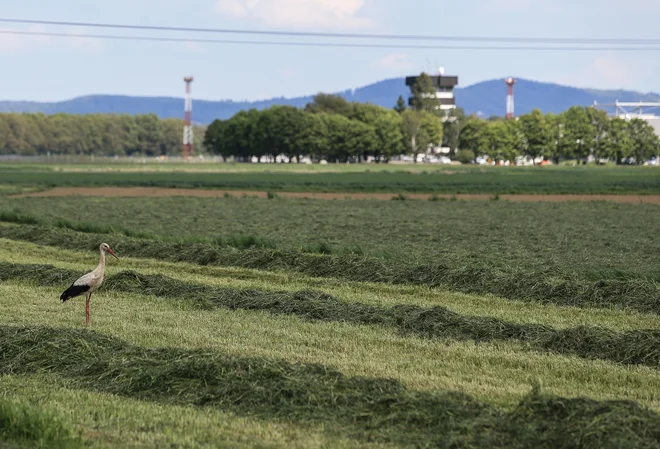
x: 160, y: 192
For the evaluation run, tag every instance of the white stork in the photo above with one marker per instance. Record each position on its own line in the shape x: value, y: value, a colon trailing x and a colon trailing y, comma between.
x: 89, y: 282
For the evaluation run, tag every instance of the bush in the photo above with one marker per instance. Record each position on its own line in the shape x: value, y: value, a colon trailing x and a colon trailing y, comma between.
x: 465, y: 156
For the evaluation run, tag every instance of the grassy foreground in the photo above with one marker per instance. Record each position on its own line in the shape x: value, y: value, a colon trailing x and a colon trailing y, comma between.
x: 446, y: 325
x: 363, y: 408
x: 490, y: 378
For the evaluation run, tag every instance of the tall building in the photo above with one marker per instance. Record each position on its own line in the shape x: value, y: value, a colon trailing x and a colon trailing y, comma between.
x: 444, y: 89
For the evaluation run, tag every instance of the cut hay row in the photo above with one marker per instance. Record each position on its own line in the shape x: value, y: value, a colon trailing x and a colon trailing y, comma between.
x: 373, y: 409
x: 638, y: 347
x: 545, y: 287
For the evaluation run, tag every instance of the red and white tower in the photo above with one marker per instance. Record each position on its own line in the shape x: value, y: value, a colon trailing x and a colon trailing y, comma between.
x: 187, y: 126
x: 509, y: 97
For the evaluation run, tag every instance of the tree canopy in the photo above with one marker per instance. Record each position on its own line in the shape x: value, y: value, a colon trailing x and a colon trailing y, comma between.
x: 328, y: 128
x: 93, y: 134
x: 575, y: 134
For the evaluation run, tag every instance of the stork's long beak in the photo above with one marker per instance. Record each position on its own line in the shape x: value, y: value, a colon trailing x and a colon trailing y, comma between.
x: 113, y: 253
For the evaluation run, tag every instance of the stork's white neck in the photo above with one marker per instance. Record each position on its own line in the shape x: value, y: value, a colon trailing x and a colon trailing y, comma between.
x: 101, y: 264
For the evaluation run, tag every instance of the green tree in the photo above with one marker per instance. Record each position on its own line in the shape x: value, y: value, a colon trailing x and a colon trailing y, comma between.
x: 473, y: 136
x: 644, y: 141
x: 504, y: 140
x: 217, y: 140
x: 314, y: 140
x: 424, y: 94
x: 616, y: 144
x: 330, y: 103
x: 578, y: 133
x: 433, y: 127
x: 389, y: 134
x: 452, y: 128
x: 288, y: 128
x: 400, y: 105
x: 348, y: 138
x: 535, y: 130
x: 599, y: 126
x: 387, y: 126
x: 415, y: 137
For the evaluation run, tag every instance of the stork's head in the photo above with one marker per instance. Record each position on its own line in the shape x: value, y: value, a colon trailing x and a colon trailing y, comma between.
x: 106, y: 248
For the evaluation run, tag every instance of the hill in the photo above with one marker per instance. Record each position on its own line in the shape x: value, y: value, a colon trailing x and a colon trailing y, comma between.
x: 485, y: 98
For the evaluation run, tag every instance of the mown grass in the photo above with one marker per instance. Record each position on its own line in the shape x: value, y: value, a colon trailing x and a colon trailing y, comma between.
x: 107, y: 420
x: 495, y: 372
x: 25, y: 426
x: 595, y: 239
x: 543, y: 286
x: 366, y: 293
x: 490, y: 180
x: 633, y: 347
x: 364, y: 408
x: 104, y: 228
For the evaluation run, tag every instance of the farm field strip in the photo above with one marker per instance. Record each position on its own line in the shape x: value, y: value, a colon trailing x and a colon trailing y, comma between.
x: 306, y: 393
x: 290, y: 322
x: 368, y: 294
x: 150, y: 192
x: 105, y: 420
x: 434, y: 323
x: 374, y: 349
x: 595, y: 240
x: 636, y: 294
x: 491, y: 180
x: 499, y: 372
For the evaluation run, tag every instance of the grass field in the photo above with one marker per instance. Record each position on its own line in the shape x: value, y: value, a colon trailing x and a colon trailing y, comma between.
x: 255, y: 322
x: 388, y: 178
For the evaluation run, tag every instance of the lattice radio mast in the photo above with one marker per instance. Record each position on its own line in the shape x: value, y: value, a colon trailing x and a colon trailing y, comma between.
x: 509, y: 97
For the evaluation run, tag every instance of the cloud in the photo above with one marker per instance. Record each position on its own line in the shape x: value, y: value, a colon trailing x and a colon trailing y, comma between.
x: 394, y: 61
x: 608, y: 72
x: 288, y: 73
x: 15, y: 43
x: 338, y: 14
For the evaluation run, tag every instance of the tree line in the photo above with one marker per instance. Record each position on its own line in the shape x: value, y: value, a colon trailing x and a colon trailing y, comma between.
x: 92, y: 134
x: 328, y: 128
x: 334, y: 129
x: 574, y: 134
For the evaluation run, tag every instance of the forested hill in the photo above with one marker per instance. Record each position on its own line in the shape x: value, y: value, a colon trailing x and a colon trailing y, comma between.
x: 486, y: 98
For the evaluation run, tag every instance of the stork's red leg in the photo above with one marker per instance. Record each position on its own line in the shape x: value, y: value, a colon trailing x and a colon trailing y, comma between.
x: 87, y: 309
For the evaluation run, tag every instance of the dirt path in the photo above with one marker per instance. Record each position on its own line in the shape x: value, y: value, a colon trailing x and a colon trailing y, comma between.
x: 160, y: 192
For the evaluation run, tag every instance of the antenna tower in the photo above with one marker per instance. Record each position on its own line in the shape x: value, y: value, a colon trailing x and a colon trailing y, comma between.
x: 509, y: 97
x: 187, y: 125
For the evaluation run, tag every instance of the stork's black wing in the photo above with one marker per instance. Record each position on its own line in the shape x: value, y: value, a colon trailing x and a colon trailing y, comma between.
x: 74, y: 291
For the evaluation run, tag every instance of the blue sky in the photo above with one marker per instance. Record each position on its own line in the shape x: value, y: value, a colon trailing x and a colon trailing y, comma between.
x: 54, y: 68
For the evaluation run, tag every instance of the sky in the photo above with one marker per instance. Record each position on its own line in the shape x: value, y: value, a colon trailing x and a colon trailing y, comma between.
x: 55, y: 68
